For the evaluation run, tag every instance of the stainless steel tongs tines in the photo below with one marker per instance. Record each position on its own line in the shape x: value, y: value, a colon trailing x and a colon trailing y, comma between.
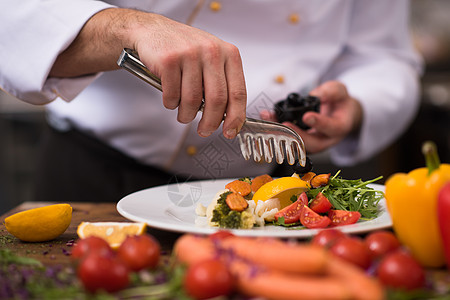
x: 261, y: 138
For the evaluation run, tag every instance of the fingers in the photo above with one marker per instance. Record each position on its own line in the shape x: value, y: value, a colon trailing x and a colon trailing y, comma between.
x: 237, y: 94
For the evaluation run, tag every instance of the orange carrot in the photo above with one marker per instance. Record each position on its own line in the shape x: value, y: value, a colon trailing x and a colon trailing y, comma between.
x: 236, y: 202
x: 255, y: 280
x: 268, y: 274
x: 243, y: 188
x: 362, y: 287
x: 269, y: 284
x: 259, y: 181
x: 278, y: 255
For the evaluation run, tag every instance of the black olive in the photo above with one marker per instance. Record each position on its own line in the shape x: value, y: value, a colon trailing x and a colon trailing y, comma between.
x: 303, y: 170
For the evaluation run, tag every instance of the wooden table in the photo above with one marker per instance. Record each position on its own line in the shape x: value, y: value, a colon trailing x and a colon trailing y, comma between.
x: 57, y: 251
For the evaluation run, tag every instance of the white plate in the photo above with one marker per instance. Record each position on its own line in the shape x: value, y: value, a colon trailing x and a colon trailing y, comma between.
x: 172, y: 207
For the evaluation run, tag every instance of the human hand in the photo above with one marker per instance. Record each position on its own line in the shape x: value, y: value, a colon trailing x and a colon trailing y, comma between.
x: 339, y: 116
x: 193, y: 65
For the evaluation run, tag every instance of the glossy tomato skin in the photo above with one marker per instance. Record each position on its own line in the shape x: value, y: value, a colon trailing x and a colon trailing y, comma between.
x: 313, y: 220
x: 320, y: 204
x: 98, y: 272
x: 303, y: 199
x: 398, y: 269
x: 139, y: 252
x: 353, y: 250
x: 327, y: 237
x: 381, y: 242
x: 343, y: 217
x: 91, y: 244
x: 221, y: 235
x: 291, y: 213
x: 207, y: 279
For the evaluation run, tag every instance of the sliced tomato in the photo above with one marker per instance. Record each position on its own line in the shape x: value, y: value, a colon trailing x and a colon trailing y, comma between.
x: 343, y: 217
x: 303, y: 198
x: 320, y: 204
x: 291, y: 213
x: 311, y: 219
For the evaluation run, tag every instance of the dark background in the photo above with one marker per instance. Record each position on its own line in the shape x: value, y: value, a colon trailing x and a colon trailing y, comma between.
x: 21, y: 124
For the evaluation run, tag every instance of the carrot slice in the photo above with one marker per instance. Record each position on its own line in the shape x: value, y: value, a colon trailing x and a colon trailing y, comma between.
x: 259, y: 181
x: 236, y: 202
x: 243, y: 188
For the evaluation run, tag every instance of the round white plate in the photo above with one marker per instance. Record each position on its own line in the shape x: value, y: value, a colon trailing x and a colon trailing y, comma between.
x: 172, y: 207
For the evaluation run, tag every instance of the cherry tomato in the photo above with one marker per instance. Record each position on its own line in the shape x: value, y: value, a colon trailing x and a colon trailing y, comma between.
x: 221, y: 234
x: 98, y: 272
x: 381, y: 242
x: 343, y: 217
x: 353, y: 250
x: 291, y: 213
x: 327, y: 237
x: 311, y: 219
x: 91, y: 244
x: 320, y: 204
x: 400, y: 270
x: 139, y: 252
x: 303, y: 199
x: 207, y: 279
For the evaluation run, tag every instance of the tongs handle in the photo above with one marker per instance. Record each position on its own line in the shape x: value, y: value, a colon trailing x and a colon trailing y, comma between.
x: 129, y: 60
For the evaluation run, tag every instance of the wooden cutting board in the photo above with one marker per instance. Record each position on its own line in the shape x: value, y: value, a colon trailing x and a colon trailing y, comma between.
x: 57, y: 251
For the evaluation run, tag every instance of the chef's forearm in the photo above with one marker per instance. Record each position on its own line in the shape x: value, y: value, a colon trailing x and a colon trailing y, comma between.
x: 98, y: 45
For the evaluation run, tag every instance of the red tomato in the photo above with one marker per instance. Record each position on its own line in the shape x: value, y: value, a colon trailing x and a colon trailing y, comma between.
x: 381, y: 242
x: 343, y: 217
x: 208, y: 279
x: 221, y: 234
x: 311, y: 219
x: 303, y: 199
x: 98, y: 272
x: 443, y: 212
x: 400, y: 270
x: 139, y: 252
x: 291, y: 213
x: 320, y: 204
x: 353, y: 250
x: 89, y: 245
x: 327, y: 237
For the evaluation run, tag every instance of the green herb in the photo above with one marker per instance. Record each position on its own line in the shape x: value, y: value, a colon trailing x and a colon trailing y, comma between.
x: 280, y: 222
x: 351, y: 195
x: 224, y: 216
x: 7, y: 257
x: 246, y: 179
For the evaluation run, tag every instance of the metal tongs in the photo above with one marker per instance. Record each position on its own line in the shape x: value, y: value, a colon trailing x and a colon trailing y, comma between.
x: 262, y: 138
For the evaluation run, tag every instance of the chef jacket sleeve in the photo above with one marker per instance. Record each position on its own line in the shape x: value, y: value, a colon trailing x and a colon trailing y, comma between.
x: 33, y: 33
x: 381, y: 69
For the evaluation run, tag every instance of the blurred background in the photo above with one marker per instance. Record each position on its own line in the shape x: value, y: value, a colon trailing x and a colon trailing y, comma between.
x: 21, y: 124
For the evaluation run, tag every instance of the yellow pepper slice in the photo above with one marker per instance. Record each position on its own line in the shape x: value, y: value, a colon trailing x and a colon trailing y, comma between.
x: 412, y: 203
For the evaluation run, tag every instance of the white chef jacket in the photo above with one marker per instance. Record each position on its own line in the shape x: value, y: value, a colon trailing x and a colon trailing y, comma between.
x: 286, y: 46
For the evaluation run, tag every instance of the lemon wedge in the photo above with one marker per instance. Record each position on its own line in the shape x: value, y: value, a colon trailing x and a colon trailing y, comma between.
x: 40, y: 224
x: 112, y: 232
x: 282, y: 188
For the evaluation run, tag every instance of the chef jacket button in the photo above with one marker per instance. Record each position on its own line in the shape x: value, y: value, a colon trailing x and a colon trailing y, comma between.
x: 294, y: 18
x: 279, y: 79
x: 191, y: 150
x: 215, y: 6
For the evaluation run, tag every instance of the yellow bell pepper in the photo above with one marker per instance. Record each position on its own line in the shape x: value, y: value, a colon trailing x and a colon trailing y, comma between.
x: 412, y: 203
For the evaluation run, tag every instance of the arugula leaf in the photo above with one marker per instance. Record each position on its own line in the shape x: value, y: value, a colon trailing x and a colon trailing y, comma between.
x: 351, y: 195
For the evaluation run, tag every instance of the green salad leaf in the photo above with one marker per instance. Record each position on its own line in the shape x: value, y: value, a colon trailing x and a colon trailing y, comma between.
x: 351, y: 195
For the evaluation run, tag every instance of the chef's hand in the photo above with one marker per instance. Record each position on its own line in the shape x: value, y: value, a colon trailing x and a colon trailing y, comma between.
x: 340, y: 115
x: 191, y: 63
